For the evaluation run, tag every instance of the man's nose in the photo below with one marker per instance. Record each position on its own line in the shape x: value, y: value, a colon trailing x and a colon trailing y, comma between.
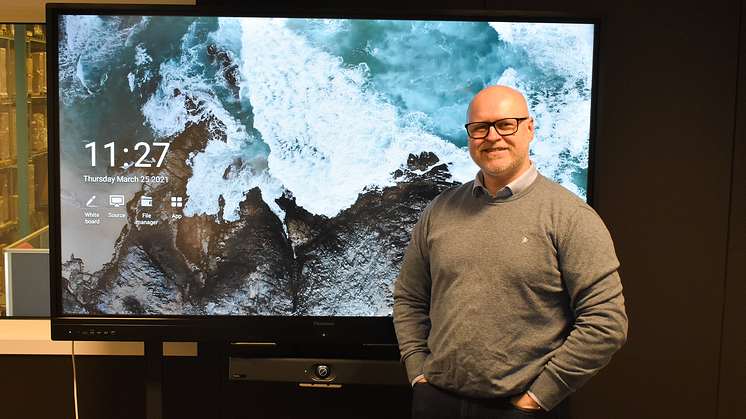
x: 493, y: 135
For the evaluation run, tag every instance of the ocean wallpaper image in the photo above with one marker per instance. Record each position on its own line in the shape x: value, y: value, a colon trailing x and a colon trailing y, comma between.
x: 267, y: 166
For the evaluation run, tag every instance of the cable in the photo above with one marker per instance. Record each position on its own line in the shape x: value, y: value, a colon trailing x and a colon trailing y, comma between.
x: 75, y: 383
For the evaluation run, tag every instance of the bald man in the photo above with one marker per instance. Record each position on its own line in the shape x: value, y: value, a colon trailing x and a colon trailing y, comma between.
x: 509, y: 298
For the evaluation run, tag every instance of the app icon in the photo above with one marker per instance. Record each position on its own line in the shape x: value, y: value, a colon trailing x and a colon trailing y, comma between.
x: 146, y: 201
x: 116, y: 200
x: 90, y: 202
x: 177, y: 202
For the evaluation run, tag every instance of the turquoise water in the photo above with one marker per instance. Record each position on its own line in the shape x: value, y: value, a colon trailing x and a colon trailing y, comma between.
x: 321, y: 108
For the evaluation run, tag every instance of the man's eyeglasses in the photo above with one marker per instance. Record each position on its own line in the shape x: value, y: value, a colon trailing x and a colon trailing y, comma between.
x: 505, y: 126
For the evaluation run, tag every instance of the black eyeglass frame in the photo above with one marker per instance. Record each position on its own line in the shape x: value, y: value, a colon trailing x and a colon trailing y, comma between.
x: 493, y: 125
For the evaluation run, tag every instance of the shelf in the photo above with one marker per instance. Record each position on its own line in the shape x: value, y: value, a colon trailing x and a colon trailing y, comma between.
x: 6, y: 227
x: 24, y: 202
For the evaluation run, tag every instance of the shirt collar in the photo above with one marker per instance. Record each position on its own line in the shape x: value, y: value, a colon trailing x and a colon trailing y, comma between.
x: 512, y: 188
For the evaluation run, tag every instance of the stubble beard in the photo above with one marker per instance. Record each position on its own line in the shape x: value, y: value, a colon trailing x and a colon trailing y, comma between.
x: 497, y: 167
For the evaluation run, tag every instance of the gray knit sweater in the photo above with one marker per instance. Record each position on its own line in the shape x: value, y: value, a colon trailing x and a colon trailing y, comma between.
x: 497, y: 297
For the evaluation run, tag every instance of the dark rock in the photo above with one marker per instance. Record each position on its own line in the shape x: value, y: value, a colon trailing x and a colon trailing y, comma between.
x: 307, y: 265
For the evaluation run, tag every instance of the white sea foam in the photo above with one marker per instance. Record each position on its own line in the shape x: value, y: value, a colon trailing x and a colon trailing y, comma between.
x: 562, y: 115
x: 565, y: 49
x: 87, y: 51
x: 229, y: 165
x: 329, y: 133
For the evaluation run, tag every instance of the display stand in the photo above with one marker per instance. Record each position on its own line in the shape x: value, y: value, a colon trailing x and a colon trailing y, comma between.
x: 153, y: 380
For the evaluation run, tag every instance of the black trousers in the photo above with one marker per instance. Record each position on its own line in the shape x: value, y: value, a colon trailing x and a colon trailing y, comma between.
x: 431, y: 402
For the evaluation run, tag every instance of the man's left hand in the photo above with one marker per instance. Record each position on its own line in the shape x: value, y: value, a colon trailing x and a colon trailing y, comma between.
x: 524, y: 401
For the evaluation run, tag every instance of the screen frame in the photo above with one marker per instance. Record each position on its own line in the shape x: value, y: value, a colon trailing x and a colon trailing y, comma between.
x: 313, y: 331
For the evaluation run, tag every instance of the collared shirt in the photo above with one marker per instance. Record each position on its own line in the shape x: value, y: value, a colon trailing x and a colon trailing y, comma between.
x: 512, y: 188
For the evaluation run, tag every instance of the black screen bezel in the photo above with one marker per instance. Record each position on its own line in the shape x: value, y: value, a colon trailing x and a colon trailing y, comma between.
x: 262, y: 329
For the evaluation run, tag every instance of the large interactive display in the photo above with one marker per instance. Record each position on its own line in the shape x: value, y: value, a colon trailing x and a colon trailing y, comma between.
x: 256, y: 175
